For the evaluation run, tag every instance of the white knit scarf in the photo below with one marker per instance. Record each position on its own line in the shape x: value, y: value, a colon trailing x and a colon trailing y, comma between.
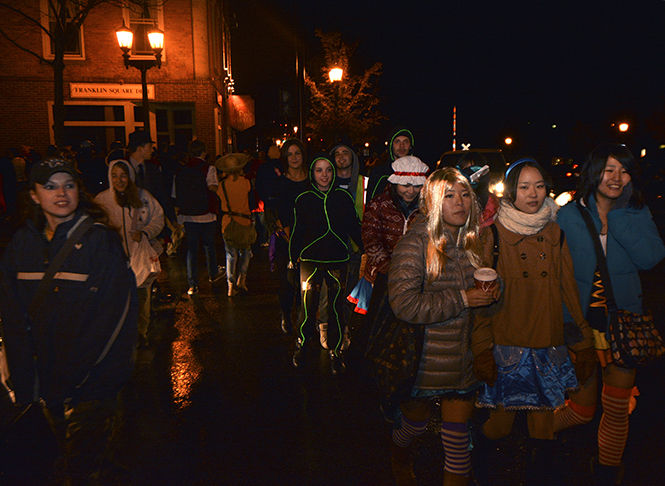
x: 523, y: 223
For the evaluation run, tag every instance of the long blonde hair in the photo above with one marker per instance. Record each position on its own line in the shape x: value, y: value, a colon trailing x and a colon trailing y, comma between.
x: 431, y: 205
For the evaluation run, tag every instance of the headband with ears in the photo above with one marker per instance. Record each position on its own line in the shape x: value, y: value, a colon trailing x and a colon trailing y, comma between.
x: 516, y: 163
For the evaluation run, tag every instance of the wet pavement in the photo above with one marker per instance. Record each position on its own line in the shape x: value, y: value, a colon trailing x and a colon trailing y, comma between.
x: 215, y: 401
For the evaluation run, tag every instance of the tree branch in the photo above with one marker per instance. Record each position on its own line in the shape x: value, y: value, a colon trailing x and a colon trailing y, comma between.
x: 25, y: 49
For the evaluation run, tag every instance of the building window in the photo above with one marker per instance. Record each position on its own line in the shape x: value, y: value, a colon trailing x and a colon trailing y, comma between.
x: 175, y: 124
x: 141, y: 19
x: 73, y: 33
x: 101, y: 122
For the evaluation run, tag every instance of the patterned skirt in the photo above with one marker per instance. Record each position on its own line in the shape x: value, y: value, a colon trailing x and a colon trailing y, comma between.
x: 529, y: 378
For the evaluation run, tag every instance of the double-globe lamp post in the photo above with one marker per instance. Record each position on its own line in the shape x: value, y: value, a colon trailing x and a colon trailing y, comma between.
x: 125, y: 41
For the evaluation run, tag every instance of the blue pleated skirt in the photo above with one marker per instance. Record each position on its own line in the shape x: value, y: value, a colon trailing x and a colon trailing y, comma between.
x: 529, y: 378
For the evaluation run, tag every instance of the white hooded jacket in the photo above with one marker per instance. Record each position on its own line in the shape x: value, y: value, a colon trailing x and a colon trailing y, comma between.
x: 148, y: 219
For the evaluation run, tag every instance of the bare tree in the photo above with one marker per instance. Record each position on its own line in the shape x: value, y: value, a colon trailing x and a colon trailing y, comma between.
x: 66, y: 17
x: 347, y: 107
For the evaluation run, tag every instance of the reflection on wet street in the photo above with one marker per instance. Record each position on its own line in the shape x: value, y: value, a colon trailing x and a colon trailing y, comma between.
x: 215, y: 401
x: 185, y: 367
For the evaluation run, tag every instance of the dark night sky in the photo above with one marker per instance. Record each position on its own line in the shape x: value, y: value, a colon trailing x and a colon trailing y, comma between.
x: 511, y: 68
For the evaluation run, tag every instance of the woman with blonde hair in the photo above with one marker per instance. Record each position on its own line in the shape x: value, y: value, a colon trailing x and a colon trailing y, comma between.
x: 431, y: 286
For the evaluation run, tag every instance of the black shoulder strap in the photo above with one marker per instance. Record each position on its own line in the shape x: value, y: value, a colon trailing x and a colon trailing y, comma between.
x: 495, y: 246
x: 46, y: 283
x: 600, y: 258
x: 562, y: 238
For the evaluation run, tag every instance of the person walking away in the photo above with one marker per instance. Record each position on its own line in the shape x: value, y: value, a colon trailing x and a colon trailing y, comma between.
x: 136, y: 215
x: 519, y: 350
x: 68, y: 305
x: 609, y: 192
x: 324, y: 220
x: 237, y: 222
x: 431, y: 287
x: 194, y: 190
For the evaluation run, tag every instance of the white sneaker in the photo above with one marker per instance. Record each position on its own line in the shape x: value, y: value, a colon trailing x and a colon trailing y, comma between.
x: 323, y: 334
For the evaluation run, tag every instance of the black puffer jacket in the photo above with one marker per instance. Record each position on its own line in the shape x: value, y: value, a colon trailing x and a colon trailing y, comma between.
x: 439, y: 306
x: 323, y: 223
x: 94, y: 291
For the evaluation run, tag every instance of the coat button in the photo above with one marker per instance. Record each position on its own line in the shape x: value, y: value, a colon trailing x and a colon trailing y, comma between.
x: 543, y: 273
x: 525, y: 274
x: 542, y: 255
x: 540, y: 239
x: 56, y: 289
x: 523, y: 256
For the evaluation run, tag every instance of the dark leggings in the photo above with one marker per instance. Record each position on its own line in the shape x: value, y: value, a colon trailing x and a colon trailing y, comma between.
x: 312, y: 275
x: 287, y: 278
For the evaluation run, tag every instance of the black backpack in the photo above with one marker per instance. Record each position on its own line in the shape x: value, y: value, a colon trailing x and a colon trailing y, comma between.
x: 191, y: 189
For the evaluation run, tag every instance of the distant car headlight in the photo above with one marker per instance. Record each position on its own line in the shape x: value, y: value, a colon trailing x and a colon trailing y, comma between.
x: 497, y: 189
x: 564, y: 198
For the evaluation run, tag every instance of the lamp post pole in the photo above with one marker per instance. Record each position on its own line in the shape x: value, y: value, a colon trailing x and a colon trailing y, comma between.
x: 335, y: 74
x: 156, y: 39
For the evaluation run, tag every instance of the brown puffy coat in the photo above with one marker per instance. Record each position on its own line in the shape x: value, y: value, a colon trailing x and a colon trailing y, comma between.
x: 537, y: 273
x: 439, y: 306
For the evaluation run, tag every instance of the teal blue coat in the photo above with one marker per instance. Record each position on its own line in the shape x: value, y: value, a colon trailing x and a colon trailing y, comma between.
x: 633, y: 244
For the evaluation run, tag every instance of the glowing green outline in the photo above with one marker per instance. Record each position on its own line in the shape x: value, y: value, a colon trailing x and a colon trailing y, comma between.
x: 324, y: 196
x: 304, y: 304
x: 339, y: 327
x: 392, y: 139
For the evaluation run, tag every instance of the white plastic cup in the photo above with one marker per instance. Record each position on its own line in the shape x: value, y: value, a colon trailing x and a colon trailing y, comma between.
x: 485, y: 278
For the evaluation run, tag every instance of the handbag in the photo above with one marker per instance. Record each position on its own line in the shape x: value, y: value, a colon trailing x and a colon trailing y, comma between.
x: 634, y: 339
x: 144, y: 261
x: 235, y: 234
x: 394, y: 350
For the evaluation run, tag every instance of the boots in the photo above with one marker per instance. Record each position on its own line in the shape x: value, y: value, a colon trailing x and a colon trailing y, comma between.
x: 402, y: 465
x: 607, y: 475
x: 452, y: 479
x: 480, y: 455
x: 540, y: 461
x: 242, y: 283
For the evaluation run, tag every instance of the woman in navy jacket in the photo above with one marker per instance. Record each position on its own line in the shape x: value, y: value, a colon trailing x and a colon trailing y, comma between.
x: 76, y: 349
x: 609, y: 194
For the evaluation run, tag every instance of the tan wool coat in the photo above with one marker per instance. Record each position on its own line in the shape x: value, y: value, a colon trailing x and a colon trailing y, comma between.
x: 537, y: 273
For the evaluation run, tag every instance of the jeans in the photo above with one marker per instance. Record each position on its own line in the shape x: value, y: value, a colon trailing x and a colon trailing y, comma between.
x: 237, y: 262
x: 205, y: 233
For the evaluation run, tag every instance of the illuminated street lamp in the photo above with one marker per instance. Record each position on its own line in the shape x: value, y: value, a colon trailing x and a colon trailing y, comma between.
x: 125, y: 38
x: 335, y: 74
x: 623, y: 127
x: 508, y: 141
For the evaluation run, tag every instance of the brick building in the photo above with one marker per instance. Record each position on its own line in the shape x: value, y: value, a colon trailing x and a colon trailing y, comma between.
x: 189, y: 94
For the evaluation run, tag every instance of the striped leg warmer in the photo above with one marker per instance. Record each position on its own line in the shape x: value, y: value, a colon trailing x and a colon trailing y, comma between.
x: 407, y: 431
x: 455, y: 440
x: 572, y: 414
x: 613, y: 428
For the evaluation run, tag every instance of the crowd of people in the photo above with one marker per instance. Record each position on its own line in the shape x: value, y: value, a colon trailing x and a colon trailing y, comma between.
x: 401, y: 241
